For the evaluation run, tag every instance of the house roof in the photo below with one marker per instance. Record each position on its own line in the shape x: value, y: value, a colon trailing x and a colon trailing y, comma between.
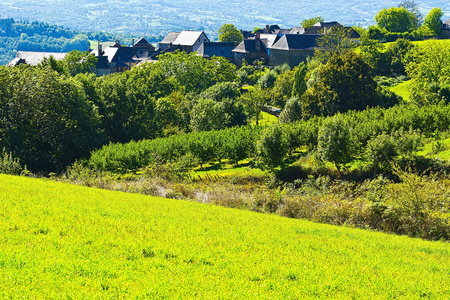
x: 34, y: 58
x: 269, y: 39
x: 282, y: 31
x: 122, y: 54
x: 297, y: 30
x: 210, y: 49
x: 141, y: 41
x: 188, y: 38
x: 296, y: 42
x: 170, y: 38
x: 249, y: 46
x: 321, y: 27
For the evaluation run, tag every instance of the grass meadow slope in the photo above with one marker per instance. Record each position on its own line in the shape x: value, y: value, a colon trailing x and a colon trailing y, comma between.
x: 60, y: 241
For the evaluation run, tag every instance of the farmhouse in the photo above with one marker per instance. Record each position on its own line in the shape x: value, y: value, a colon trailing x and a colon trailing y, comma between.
x: 292, y: 49
x: 250, y: 50
x: 222, y: 49
x: 33, y: 58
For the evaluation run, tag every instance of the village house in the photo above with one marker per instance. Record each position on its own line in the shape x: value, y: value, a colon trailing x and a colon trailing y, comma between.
x: 33, y: 58
x: 220, y: 49
x: 292, y: 49
x: 250, y: 50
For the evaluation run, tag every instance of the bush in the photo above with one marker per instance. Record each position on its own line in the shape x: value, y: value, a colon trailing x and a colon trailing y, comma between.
x: 381, y: 150
x: 272, y: 147
x: 9, y: 164
x: 335, y: 143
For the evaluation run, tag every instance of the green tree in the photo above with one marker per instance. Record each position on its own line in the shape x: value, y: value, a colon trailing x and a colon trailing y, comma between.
x: 335, y: 143
x: 193, y: 72
x: 47, y: 122
x: 299, y: 86
x: 229, y: 33
x: 282, y: 89
x: 432, y: 24
x: 254, y: 101
x: 336, y: 41
x: 345, y: 83
x: 292, y: 111
x: 310, y: 22
x: 272, y: 148
x: 429, y: 63
x: 396, y: 19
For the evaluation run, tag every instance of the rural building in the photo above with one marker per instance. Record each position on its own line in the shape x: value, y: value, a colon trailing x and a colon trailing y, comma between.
x: 250, y: 50
x: 33, y: 58
x: 167, y: 42
x: 220, y: 49
x: 190, y: 41
x: 292, y: 49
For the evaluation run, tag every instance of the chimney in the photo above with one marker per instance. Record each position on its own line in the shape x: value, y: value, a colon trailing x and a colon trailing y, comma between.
x: 267, y: 29
x: 132, y: 42
x: 99, y: 48
x: 258, y: 36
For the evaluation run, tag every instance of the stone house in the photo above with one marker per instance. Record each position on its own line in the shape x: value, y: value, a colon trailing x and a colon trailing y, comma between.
x: 250, y: 50
x: 292, y: 49
x: 219, y: 49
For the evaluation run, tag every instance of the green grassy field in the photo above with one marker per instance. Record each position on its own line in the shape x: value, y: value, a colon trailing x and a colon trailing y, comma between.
x: 60, y: 241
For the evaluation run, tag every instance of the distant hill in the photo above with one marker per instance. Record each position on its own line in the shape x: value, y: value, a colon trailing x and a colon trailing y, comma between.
x: 154, y: 17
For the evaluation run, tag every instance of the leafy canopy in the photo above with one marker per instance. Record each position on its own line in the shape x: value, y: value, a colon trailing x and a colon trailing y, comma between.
x: 229, y: 33
x: 396, y: 19
x: 310, y: 22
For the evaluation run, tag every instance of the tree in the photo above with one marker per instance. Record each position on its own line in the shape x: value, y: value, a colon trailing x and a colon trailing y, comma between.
x: 254, y: 101
x: 432, y: 24
x: 396, y: 19
x: 47, y: 122
x: 413, y: 8
x: 272, y: 147
x: 310, y: 22
x: 335, y: 42
x: 195, y: 73
x: 335, y: 142
x: 429, y: 63
x: 282, y: 89
x: 346, y: 82
x: 299, y: 86
x: 292, y: 111
x: 229, y: 33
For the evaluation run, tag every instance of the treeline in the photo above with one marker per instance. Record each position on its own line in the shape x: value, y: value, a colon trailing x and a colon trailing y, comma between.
x: 244, y: 142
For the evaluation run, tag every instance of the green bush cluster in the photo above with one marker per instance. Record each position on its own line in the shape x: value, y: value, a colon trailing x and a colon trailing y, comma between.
x: 239, y: 143
x: 235, y: 144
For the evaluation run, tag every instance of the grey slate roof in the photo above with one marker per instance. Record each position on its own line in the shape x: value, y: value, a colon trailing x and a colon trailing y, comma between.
x: 269, y: 39
x: 249, y: 46
x: 170, y: 38
x: 210, y: 49
x: 34, y: 58
x: 297, y: 30
x: 282, y: 31
x: 188, y: 38
x: 296, y: 42
x: 141, y: 41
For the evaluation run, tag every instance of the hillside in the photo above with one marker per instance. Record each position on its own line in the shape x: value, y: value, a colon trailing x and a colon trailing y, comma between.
x: 156, y: 17
x: 65, y: 241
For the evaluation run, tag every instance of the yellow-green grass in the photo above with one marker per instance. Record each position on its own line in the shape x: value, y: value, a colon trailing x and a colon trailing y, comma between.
x: 225, y: 169
x: 65, y: 241
x: 403, y: 89
x: 265, y: 119
x: 444, y: 154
